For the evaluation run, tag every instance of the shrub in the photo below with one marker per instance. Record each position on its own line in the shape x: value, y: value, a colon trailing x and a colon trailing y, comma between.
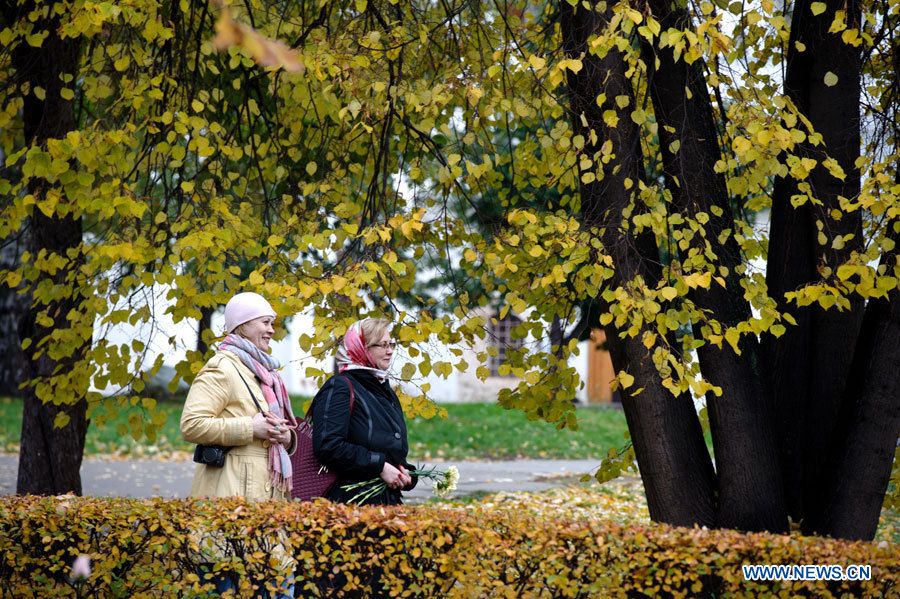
x: 142, y: 548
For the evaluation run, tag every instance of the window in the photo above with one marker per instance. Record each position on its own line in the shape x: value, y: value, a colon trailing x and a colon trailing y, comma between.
x: 501, y: 338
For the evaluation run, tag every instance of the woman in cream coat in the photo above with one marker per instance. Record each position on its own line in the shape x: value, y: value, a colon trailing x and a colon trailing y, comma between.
x: 239, y: 401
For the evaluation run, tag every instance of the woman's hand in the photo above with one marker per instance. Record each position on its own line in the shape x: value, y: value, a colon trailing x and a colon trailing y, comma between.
x: 411, y: 480
x: 283, y: 437
x: 270, y: 428
x: 395, y: 478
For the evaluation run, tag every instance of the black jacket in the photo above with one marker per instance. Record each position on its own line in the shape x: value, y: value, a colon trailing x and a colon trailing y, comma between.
x: 356, y: 446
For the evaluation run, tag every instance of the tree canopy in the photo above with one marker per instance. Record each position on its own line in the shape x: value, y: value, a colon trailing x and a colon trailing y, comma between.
x: 715, y: 183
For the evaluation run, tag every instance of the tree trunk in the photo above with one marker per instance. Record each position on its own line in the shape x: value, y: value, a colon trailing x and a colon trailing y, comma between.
x: 808, y: 375
x: 203, y: 325
x: 866, y: 437
x: 749, y: 484
x: 50, y: 457
x: 675, y: 466
x: 13, y: 306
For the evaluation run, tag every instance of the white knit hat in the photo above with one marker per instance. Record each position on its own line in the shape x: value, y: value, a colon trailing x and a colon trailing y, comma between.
x: 244, y: 307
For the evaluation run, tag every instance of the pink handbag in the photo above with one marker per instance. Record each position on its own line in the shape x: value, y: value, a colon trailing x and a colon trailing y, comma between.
x: 311, y: 478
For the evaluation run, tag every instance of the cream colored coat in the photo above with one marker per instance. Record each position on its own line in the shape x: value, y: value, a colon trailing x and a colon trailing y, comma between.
x: 219, y: 411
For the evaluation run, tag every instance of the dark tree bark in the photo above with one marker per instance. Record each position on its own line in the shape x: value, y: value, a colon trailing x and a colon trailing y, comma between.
x: 675, y: 467
x: 749, y: 483
x: 13, y: 306
x: 809, y: 365
x: 203, y: 325
x: 865, y: 438
x: 49, y: 458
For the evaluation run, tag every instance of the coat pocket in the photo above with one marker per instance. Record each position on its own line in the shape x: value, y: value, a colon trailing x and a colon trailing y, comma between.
x: 246, y: 479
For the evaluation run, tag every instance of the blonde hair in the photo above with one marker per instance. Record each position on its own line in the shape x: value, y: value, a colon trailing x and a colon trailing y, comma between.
x: 373, y: 329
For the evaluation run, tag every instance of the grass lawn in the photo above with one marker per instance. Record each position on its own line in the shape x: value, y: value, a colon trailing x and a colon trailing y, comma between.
x: 470, y: 431
x: 488, y: 431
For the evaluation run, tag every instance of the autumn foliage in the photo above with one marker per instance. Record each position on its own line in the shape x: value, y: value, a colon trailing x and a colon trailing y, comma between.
x: 150, y: 548
x: 714, y: 183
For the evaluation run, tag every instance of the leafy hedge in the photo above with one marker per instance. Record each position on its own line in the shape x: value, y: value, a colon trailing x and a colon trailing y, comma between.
x: 152, y: 548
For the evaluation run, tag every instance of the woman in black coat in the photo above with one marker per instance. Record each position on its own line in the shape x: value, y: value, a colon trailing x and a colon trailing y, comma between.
x: 368, y: 441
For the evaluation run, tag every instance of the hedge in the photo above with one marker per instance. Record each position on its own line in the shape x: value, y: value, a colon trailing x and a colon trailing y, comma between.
x: 144, y: 548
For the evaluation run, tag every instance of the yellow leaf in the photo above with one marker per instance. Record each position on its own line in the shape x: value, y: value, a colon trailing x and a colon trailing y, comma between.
x: 48, y: 204
x: 697, y: 279
x: 741, y: 145
x: 625, y: 379
x: 256, y: 279
x: 851, y: 37
x: 13, y: 278
x: 830, y: 79
x: 122, y: 63
x: 669, y: 293
x: 817, y: 8
x: 732, y: 337
x: 36, y: 39
x: 536, y: 61
x: 61, y: 420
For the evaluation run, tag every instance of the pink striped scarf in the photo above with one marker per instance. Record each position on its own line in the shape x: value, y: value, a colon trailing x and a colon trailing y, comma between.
x: 275, y: 393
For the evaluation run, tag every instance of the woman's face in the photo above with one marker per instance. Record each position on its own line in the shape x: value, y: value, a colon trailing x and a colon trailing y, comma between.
x: 383, y: 351
x: 258, y: 331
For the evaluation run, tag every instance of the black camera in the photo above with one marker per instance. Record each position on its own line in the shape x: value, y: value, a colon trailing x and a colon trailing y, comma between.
x: 211, y: 455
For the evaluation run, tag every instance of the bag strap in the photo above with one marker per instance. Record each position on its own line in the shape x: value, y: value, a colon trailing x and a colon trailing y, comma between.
x: 308, y: 416
x: 252, y: 396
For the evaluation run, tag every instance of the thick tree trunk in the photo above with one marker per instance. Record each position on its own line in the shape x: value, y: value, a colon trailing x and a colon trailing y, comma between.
x: 866, y: 437
x: 49, y: 458
x: 791, y: 265
x: 807, y: 374
x: 749, y: 483
x: 675, y: 466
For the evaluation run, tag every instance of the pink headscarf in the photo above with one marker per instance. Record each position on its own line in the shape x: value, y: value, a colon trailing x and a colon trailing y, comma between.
x: 353, y: 353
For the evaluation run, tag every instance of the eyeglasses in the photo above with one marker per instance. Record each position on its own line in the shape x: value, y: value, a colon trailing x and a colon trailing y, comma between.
x: 385, y: 345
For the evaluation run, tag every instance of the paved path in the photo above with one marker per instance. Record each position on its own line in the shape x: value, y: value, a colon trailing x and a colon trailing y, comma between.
x: 154, y: 478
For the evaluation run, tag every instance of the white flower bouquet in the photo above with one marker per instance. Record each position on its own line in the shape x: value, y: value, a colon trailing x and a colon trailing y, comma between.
x: 443, y: 482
